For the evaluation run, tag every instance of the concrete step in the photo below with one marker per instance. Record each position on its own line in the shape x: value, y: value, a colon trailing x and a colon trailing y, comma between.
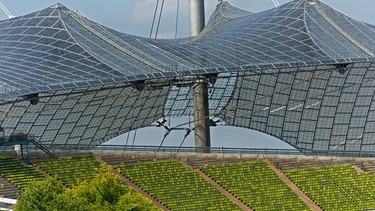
x: 8, y: 189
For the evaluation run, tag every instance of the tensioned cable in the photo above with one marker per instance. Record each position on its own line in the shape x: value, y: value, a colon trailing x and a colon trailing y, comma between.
x: 169, y: 129
x: 162, y: 141
x: 183, y: 140
x: 188, y: 131
x: 153, y: 20
x: 160, y: 14
x: 135, y: 134
x: 127, y: 140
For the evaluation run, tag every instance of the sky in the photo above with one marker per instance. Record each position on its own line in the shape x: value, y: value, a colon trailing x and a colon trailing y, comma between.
x: 135, y: 17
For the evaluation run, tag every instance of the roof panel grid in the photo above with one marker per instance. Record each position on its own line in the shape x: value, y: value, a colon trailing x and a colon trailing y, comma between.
x: 282, y: 72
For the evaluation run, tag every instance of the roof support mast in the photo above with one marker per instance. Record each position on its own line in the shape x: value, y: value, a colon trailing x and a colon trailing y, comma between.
x: 201, y: 108
x: 197, y: 21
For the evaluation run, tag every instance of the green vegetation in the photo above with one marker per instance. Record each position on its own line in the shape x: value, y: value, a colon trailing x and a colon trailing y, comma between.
x: 105, y: 192
x: 71, y: 170
x: 257, y: 185
x: 177, y: 187
x: 17, y: 173
x: 337, y: 187
x: 91, y: 186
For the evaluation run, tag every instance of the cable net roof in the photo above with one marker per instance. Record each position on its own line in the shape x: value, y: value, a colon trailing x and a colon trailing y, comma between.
x: 302, y: 72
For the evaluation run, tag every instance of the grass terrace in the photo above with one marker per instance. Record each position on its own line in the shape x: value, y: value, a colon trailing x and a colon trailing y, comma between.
x: 177, y: 187
x: 19, y: 174
x: 71, y: 170
x: 336, y: 188
x: 256, y: 184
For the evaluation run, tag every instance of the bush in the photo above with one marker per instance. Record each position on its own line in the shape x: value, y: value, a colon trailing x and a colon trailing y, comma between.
x: 105, y: 192
x: 40, y: 196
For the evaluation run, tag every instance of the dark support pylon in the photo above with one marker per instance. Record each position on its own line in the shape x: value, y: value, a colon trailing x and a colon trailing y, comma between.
x: 201, y: 116
x: 201, y: 106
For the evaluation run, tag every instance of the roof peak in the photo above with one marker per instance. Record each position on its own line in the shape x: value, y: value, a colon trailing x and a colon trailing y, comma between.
x: 57, y: 5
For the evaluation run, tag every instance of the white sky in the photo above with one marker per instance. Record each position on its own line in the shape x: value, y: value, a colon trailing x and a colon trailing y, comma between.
x: 135, y: 17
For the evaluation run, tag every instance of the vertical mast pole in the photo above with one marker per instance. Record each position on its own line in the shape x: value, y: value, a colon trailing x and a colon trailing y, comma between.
x: 197, y: 21
x: 201, y: 105
x: 201, y: 116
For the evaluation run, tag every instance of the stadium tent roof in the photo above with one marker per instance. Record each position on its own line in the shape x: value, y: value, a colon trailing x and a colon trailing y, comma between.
x: 301, y: 72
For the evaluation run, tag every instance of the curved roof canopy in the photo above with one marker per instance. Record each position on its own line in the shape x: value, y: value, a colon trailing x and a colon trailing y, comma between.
x: 302, y: 72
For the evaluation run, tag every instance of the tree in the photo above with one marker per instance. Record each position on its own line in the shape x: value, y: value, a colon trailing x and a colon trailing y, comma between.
x: 40, y: 196
x: 133, y: 201
x: 105, y: 192
x: 110, y: 186
x: 68, y: 201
